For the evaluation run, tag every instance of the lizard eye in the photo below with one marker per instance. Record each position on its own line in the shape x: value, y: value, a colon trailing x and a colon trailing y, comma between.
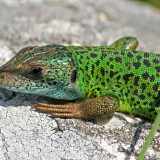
x: 36, y: 72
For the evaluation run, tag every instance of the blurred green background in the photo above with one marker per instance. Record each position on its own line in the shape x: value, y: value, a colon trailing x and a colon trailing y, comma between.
x: 155, y: 3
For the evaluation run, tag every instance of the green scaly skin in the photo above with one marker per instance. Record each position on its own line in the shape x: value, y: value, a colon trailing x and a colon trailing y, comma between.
x: 114, y: 78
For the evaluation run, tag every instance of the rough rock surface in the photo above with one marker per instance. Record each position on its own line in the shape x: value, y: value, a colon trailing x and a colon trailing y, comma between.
x: 26, y: 134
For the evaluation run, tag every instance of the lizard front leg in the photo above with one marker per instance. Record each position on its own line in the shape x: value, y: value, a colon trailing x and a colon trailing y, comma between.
x: 81, y: 109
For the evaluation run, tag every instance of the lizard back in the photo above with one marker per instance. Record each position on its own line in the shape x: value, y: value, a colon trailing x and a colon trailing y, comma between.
x: 132, y: 76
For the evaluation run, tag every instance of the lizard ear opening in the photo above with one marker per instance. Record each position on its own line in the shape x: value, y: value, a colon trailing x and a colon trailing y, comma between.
x: 73, y: 76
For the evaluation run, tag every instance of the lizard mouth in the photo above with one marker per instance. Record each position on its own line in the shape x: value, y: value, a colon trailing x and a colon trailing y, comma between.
x: 9, y: 81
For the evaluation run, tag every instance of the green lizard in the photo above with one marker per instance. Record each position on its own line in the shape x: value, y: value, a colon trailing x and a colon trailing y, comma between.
x: 96, y: 81
x: 93, y: 81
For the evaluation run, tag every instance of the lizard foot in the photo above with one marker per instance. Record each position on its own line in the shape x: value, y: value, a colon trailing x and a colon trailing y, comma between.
x: 82, y: 109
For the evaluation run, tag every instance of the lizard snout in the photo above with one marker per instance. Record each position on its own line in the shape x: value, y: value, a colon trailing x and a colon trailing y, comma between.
x: 4, y: 68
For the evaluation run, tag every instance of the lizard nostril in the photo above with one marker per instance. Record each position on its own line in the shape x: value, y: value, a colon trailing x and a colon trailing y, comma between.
x: 2, y: 76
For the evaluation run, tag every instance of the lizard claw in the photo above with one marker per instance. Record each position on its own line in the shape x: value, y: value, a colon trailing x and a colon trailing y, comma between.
x: 33, y: 108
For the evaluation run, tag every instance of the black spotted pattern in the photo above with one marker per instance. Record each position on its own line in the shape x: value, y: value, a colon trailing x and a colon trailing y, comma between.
x: 131, y: 76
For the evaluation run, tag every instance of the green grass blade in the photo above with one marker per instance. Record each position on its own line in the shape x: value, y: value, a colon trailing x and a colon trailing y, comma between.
x: 150, y: 137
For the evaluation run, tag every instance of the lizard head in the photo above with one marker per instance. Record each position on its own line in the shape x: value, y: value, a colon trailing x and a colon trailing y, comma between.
x: 48, y: 71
